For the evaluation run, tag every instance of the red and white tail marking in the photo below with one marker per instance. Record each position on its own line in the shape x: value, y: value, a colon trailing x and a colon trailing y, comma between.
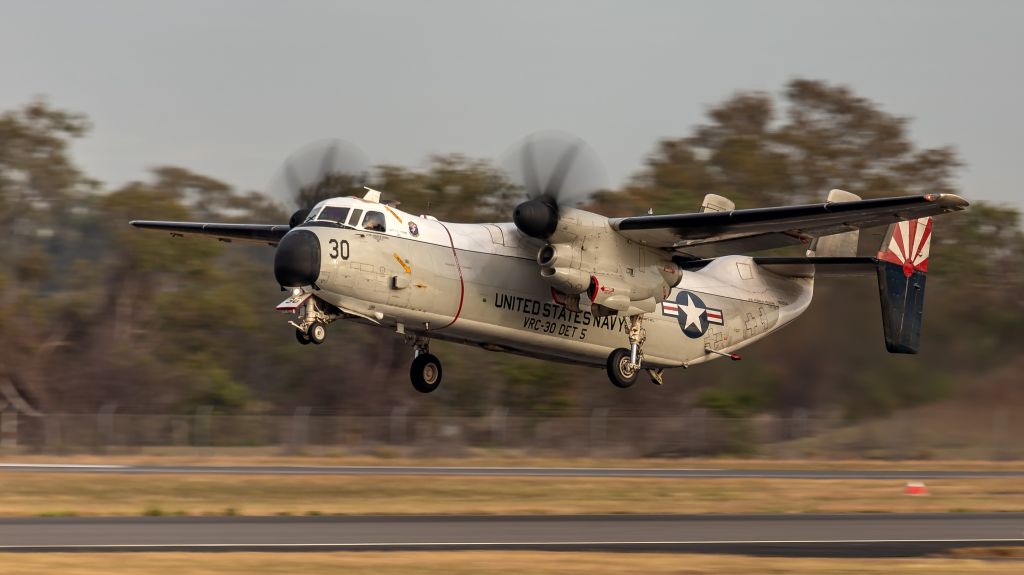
x: 909, y: 245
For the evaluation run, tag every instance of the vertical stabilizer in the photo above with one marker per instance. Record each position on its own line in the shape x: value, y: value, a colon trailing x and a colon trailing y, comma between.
x: 902, y: 264
x: 716, y: 203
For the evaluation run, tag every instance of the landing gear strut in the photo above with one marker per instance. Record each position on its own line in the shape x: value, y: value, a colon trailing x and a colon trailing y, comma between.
x: 425, y: 371
x: 624, y: 364
x: 637, y: 337
x: 312, y: 323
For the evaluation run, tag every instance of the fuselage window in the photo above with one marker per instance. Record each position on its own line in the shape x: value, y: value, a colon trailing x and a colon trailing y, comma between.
x: 374, y: 221
x: 333, y: 214
x: 353, y: 220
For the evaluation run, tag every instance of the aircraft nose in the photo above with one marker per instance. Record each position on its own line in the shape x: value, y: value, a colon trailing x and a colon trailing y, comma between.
x: 297, y: 260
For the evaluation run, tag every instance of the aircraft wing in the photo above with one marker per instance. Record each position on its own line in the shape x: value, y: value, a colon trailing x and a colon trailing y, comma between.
x: 713, y: 234
x: 259, y: 233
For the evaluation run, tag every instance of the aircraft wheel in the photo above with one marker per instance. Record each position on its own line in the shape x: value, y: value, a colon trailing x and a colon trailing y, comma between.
x: 425, y: 373
x: 317, y: 332
x: 619, y: 370
x: 301, y: 337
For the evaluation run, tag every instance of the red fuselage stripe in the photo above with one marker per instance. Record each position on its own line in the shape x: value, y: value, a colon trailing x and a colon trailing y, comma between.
x: 462, y: 282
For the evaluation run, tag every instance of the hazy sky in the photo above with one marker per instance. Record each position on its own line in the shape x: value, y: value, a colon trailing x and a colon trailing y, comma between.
x: 230, y: 88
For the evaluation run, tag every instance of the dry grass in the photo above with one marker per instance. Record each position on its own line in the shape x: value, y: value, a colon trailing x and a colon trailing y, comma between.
x: 987, y: 553
x: 30, y: 494
x: 478, y: 458
x: 457, y: 563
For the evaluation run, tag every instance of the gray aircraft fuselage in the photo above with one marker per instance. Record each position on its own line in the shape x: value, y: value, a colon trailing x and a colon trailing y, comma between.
x: 479, y: 284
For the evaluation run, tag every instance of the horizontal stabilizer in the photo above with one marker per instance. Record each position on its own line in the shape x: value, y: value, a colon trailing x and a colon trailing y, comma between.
x: 900, y: 268
x: 805, y: 267
x: 901, y: 293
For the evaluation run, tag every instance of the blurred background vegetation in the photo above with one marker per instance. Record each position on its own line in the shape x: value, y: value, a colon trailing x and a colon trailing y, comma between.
x: 93, y: 312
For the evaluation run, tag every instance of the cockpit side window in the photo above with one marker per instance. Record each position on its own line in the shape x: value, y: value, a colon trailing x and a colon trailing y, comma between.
x: 374, y: 221
x: 313, y: 214
x: 353, y: 220
x: 332, y: 214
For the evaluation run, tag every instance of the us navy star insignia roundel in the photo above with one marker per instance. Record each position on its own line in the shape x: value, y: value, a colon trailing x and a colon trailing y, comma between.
x: 693, y: 316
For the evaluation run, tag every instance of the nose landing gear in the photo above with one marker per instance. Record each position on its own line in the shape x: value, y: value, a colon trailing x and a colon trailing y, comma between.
x: 317, y: 332
x: 312, y: 324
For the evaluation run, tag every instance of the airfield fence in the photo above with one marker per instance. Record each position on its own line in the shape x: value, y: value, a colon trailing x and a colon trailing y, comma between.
x: 985, y: 434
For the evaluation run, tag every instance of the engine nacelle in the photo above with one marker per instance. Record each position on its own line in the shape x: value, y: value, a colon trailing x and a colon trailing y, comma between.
x: 624, y: 297
x: 566, y: 280
x: 610, y: 292
x: 584, y: 254
x: 559, y: 256
x: 297, y: 218
x: 560, y: 267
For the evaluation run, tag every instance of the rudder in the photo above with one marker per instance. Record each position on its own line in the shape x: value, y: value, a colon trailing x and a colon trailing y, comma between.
x: 902, y: 265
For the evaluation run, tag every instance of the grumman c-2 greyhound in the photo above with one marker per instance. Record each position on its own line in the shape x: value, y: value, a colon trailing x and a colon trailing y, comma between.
x: 558, y: 283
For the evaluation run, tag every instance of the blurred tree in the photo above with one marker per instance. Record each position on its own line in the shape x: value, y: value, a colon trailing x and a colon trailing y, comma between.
x: 42, y: 194
x: 453, y: 187
x: 93, y: 311
x: 758, y: 153
x: 827, y: 138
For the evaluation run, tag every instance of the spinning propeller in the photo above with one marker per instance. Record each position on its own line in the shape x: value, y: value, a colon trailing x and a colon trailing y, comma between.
x: 321, y: 169
x: 557, y: 171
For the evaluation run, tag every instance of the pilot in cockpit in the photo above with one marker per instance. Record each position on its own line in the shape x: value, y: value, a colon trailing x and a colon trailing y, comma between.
x: 374, y: 221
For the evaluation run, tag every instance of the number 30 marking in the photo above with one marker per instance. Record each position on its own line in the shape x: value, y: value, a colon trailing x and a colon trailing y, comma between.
x: 339, y: 249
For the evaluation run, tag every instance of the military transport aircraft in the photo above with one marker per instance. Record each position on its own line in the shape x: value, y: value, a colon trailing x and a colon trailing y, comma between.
x: 559, y: 283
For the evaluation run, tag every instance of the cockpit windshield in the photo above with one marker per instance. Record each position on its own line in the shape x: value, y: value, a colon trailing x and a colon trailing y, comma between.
x: 333, y: 214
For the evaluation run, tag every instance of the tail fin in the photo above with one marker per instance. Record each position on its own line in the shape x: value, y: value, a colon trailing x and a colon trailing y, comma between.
x: 902, y: 264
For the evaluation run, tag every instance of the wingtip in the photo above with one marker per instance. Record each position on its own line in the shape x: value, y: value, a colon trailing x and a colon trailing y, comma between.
x: 949, y: 201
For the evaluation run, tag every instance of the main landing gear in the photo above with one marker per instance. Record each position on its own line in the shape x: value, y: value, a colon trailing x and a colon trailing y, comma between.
x: 425, y: 371
x: 621, y: 369
x: 624, y: 365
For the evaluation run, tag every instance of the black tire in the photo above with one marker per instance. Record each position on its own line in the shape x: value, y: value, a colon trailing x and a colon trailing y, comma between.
x: 301, y: 337
x: 618, y: 369
x: 317, y: 332
x: 425, y: 373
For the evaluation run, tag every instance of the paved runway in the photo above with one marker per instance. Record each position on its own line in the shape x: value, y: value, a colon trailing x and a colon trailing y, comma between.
x: 669, y: 473
x: 878, y: 535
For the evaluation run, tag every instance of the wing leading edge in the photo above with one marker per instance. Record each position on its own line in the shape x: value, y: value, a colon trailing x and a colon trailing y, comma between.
x: 259, y: 233
x: 713, y: 234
